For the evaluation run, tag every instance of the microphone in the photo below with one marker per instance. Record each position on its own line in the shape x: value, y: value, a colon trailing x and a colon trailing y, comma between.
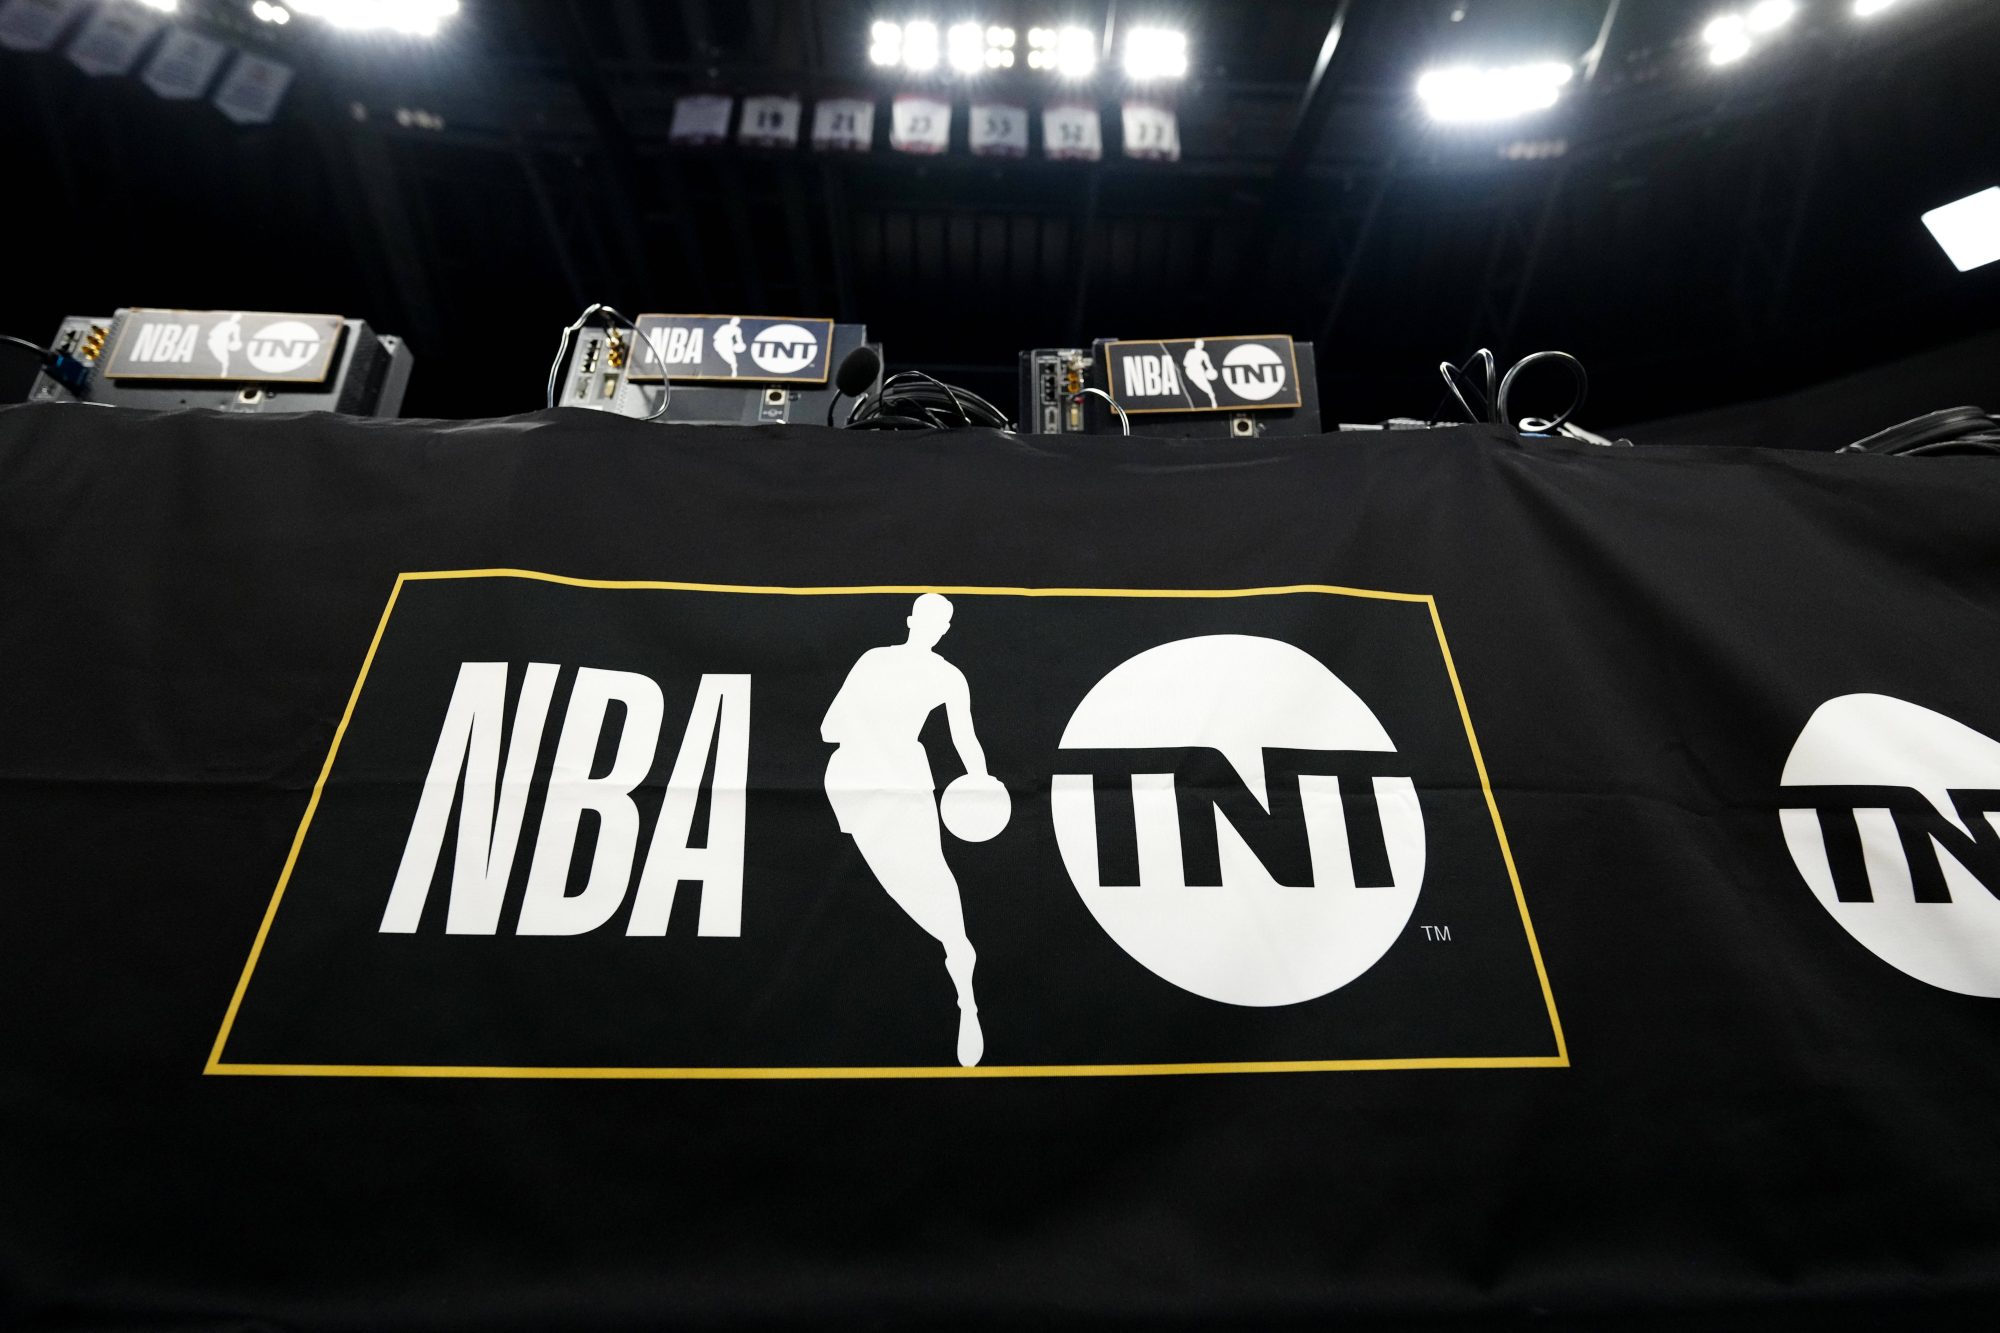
x: 858, y: 372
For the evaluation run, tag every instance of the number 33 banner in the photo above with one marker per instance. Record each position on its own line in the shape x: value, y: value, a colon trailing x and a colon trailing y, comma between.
x: 999, y: 130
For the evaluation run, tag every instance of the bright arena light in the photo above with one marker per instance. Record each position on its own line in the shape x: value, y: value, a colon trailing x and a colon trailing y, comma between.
x: 1768, y: 16
x: 413, y: 18
x: 920, y: 46
x: 1155, y: 53
x: 1467, y: 94
x: 1730, y: 37
x: 164, y: 6
x: 1869, y: 8
x: 885, y: 43
x: 270, y: 13
x: 1968, y: 230
x: 999, y: 48
x: 1070, y: 52
x: 965, y: 47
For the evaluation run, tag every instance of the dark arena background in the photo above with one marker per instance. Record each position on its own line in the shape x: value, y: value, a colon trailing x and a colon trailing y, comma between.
x: 988, y: 664
x: 1698, y: 234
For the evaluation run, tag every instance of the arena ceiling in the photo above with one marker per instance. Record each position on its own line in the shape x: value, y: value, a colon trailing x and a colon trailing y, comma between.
x: 1697, y: 234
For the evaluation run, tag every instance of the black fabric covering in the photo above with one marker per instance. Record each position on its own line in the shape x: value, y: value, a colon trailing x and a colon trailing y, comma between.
x: 1761, y: 1122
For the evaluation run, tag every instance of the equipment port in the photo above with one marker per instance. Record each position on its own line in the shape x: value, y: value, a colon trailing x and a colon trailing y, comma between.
x: 1242, y: 426
x: 775, y: 397
x: 610, y: 389
x: 590, y: 350
x: 583, y: 386
x: 614, y: 348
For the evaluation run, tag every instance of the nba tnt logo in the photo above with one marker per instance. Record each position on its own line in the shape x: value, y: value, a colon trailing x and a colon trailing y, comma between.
x: 784, y: 349
x: 1238, y: 825
x: 1889, y: 811
x: 1253, y: 372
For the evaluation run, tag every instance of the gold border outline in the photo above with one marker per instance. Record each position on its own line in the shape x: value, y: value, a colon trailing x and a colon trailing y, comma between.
x: 1560, y: 1060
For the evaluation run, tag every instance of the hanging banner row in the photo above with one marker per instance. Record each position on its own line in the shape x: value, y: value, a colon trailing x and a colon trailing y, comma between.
x: 922, y: 123
x: 183, y: 65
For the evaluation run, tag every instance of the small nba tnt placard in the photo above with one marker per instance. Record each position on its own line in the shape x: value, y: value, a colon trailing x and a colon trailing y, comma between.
x: 1236, y: 374
x: 241, y: 346
x: 755, y: 348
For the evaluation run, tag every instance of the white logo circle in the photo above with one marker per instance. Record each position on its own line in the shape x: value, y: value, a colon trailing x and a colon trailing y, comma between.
x: 784, y: 349
x: 1253, y: 371
x: 280, y: 348
x: 975, y: 807
x: 1886, y: 814
x: 1252, y: 940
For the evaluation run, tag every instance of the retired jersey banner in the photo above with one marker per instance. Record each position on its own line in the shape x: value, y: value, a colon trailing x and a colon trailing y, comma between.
x: 568, y: 872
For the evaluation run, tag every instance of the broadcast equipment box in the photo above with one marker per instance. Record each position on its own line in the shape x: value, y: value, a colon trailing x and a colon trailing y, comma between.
x: 1220, y: 387
x: 231, y: 360
x: 725, y: 370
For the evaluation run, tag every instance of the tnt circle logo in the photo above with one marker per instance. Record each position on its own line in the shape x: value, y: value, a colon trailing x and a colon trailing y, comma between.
x: 1229, y: 744
x: 1254, y: 372
x: 1889, y: 811
x: 784, y: 349
x: 280, y: 348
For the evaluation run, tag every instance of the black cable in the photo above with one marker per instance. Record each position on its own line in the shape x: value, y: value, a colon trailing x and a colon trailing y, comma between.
x: 1971, y: 444
x: 1493, y: 403
x: 913, y: 400
x: 1451, y: 374
x: 1955, y: 430
x: 1554, y: 424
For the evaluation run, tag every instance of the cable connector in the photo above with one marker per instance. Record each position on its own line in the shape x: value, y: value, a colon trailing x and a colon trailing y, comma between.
x: 69, y: 371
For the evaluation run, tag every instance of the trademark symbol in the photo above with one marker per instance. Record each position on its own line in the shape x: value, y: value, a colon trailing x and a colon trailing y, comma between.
x: 1437, y: 934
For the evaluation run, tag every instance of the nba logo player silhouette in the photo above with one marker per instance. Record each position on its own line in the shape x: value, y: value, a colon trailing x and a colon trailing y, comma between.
x: 880, y: 786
